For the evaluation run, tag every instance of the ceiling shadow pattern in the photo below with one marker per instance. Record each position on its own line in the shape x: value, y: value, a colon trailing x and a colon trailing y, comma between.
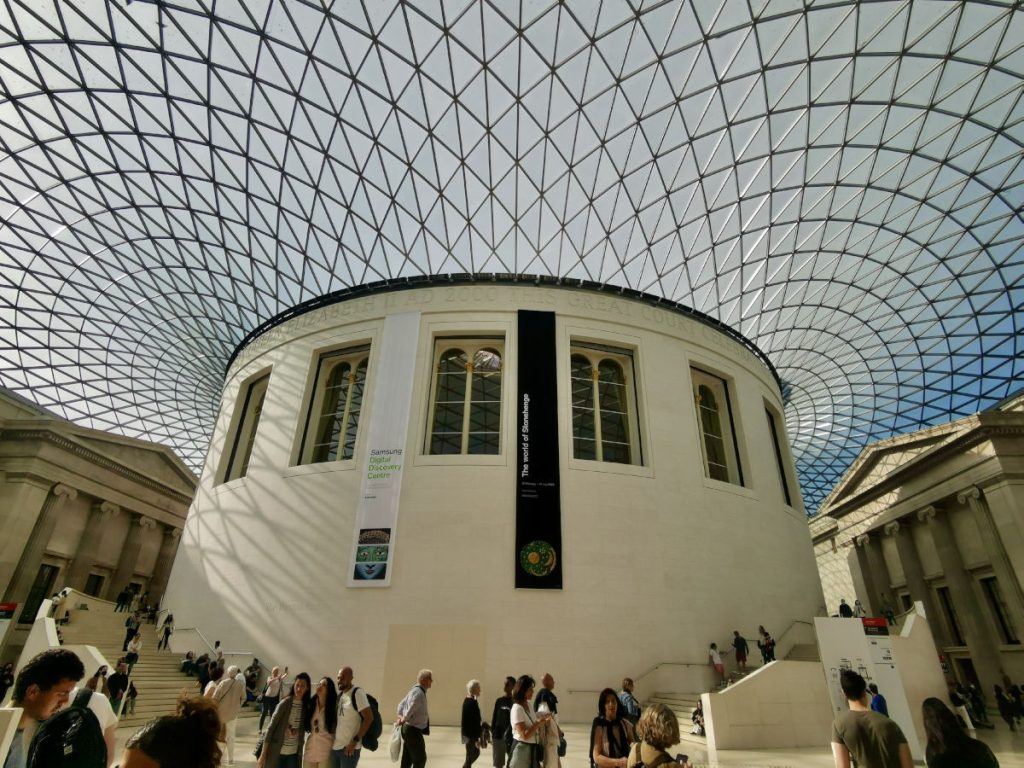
x: 841, y: 182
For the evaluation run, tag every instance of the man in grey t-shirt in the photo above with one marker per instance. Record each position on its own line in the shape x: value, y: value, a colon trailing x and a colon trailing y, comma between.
x: 871, y: 739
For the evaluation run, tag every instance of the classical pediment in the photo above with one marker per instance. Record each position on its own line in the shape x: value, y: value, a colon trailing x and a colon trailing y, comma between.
x: 886, y: 457
x: 156, y: 462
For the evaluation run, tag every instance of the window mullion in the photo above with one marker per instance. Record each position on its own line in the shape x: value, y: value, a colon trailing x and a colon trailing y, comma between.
x: 467, y: 400
x: 599, y: 448
x: 345, y: 413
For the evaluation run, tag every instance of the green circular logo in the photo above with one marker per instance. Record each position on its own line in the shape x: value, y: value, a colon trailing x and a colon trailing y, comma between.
x: 538, y: 558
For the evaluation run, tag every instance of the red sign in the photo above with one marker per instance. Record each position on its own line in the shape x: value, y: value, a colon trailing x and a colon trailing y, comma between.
x: 7, y: 610
x: 875, y: 626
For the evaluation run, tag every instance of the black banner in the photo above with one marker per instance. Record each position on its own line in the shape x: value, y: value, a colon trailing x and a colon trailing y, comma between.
x: 538, y: 506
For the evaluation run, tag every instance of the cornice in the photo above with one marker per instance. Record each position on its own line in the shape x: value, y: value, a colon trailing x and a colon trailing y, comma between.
x: 72, y: 446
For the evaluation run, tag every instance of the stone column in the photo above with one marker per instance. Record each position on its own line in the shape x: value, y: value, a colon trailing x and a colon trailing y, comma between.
x: 22, y: 498
x: 164, y: 561
x: 982, y: 645
x: 1001, y: 567
x: 877, y: 581
x: 914, y: 571
x: 129, y: 554
x: 99, y: 517
x: 32, y: 556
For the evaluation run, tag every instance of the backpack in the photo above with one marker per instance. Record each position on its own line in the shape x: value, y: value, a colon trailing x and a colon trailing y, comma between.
x: 72, y: 738
x: 371, y: 739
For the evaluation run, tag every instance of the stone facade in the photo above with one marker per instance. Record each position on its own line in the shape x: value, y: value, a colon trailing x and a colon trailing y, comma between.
x: 82, y: 508
x: 937, y: 516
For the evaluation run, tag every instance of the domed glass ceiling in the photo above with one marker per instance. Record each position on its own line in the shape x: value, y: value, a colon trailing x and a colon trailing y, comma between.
x: 841, y: 182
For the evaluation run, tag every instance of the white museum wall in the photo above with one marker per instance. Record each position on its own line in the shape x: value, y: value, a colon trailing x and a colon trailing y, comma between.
x: 658, y: 560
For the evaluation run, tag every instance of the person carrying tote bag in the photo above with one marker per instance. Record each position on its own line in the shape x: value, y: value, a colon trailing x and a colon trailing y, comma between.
x: 526, y: 726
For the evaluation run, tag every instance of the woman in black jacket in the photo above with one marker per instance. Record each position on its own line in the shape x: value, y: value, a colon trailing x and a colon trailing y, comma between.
x: 472, y: 723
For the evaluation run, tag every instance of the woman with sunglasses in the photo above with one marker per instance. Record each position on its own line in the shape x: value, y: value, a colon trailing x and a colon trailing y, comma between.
x: 323, y: 724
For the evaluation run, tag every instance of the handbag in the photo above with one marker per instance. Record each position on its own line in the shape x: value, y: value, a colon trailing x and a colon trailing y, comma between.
x: 395, y: 744
x: 562, y: 746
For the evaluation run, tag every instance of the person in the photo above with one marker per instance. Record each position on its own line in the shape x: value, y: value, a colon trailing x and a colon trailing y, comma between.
x: 165, y: 632
x: 858, y: 610
x: 98, y: 682
x: 130, y: 696
x: 1013, y: 691
x: 186, y: 739
x: 472, y: 725
x: 123, y: 598
x: 878, y: 702
x: 414, y: 719
x: 715, y: 660
x: 42, y: 687
x: 131, y: 625
x: 500, y: 723
x: 657, y: 730
x: 610, y: 734
x: 6, y: 679
x: 630, y: 706
x: 697, y: 718
x: 871, y: 739
x: 740, y: 647
x: 354, y: 719
x: 845, y: 611
x: 134, y: 649
x: 526, y: 725
x: 948, y: 746
x: 282, y: 747
x: 271, y: 693
x: 229, y: 696
x: 252, y: 676
x: 976, y: 706
x: 959, y: 705
x: 215, y: 678
x: 888, y: 611
x: 117, y: 686
x: 1005, y: 706
x: 546, y: 694
x: 188, y: 664
x: 100, y: 706
x: 323, y: 724
x: 765, y: 644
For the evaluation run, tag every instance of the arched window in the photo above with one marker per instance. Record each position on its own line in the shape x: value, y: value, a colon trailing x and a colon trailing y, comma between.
x: 603, y: 416
x: 466, y: 407
x: 332, y: 422
x: 714, y: 415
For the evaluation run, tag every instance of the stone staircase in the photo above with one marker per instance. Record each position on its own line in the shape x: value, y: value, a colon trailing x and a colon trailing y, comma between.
x: 683, y: 705
x: 157, y: 674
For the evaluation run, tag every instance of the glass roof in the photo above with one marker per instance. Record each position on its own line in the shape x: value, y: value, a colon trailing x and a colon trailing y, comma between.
x: 841, y: 182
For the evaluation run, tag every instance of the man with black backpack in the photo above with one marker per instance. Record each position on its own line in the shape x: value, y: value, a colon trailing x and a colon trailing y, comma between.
x: 357, y: 726
x: 46, y: 737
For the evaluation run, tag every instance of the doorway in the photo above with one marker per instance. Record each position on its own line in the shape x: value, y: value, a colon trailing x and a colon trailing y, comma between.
x: 42, y: 588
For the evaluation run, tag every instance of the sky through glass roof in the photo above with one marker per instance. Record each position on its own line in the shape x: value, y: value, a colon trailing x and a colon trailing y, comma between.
x: 841, y: 183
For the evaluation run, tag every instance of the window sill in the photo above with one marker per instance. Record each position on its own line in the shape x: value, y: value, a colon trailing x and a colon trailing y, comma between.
x: 737, y: 490
x: 300, y: 470
x: 460, y: 460
x: 611, y: 468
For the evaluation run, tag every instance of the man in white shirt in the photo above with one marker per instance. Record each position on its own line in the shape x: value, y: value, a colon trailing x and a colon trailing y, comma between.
x: 415, y: 721
x: 229, y: 696
x: 354, y: 719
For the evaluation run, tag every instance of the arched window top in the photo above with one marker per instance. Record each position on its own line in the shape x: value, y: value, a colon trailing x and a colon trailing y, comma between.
x: 581, y: 367
x: 706, y: 397
x: 610, y: 371
x: 487, y: 360
x: 452, y: 360
x: 339, y: 373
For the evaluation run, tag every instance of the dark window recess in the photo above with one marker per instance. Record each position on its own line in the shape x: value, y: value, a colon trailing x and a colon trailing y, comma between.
x: 773, y: 427
x: 94, y: 584
x: 952, y: 621
x: 998, y: 606
x: 42, y: 588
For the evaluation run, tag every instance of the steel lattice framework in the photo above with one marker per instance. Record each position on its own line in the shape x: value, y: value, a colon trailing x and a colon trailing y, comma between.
x: 841, y: 182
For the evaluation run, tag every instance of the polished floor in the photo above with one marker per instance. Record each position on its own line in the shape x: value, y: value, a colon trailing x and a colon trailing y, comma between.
x: 445, y: 750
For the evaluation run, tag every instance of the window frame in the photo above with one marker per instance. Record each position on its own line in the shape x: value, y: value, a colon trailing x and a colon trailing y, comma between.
x: 470, y: 345
x: 774, y: 429
x: 998, y: 609
x: 356, y: 354
x: 626, y: 359
x: 243, y: 426
x: 950, y: 615
x: 731, y: 442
